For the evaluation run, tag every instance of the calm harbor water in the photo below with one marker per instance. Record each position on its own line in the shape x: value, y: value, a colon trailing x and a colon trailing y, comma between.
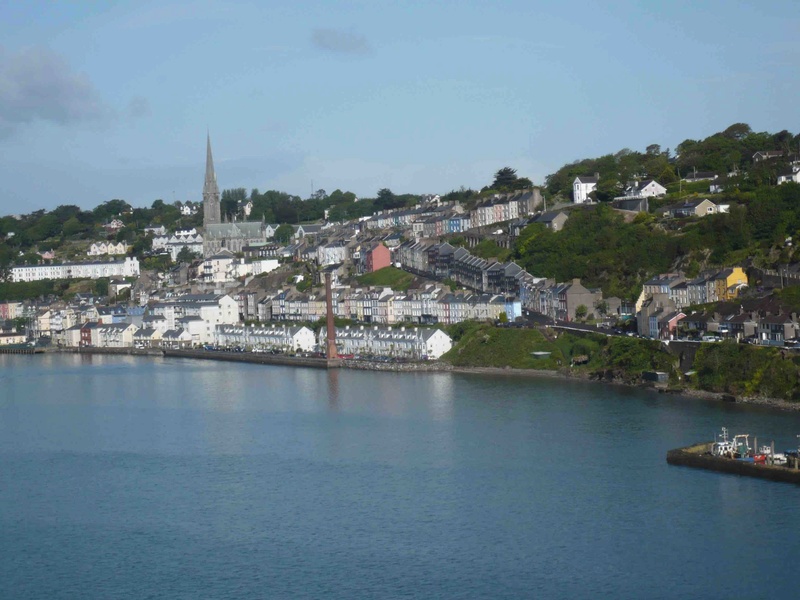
x: 126, y: 477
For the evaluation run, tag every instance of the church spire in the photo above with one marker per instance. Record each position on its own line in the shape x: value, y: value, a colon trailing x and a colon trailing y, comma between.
x: 211, y: 208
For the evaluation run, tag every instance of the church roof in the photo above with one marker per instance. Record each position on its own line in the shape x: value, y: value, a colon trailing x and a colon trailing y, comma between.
x: 242, y: 229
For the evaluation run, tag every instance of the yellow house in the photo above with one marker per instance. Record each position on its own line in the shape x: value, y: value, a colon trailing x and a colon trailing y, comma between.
x: 728, y: 282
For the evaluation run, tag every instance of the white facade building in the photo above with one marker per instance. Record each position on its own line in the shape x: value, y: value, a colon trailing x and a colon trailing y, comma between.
x: 401, y: 342
x: 582, y: 187
x: 107, y: 248
x: 211, y: 309
x: 283, y: 338
x: 89, y: 270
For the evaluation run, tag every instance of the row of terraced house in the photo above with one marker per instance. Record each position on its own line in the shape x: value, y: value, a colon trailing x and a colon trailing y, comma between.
x: 431, y: 304
x: 433, y: 220
x: 561, y: 301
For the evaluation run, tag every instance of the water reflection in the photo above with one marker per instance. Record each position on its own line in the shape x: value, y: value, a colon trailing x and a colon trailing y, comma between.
x: 333, y: 389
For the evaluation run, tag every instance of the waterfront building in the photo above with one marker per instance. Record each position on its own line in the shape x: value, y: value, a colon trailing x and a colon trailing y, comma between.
x: 275, y: 337
x: 401, y: 342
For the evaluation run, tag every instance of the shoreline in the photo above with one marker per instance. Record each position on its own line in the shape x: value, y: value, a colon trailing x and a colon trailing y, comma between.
x: 430, y: 367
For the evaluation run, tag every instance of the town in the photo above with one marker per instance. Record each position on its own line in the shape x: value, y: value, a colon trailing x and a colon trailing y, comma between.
x: 399, y: 276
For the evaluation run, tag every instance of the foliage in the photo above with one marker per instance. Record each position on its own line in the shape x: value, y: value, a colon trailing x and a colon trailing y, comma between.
x: 615, y: 171
x: 506, y: 180
x: 747, y: 370
x: 284, y: 233
x: 789, y: 296
x: 393, y: 277
x: 156, y: 263
x: 229, y: 202
x: 632, y: 356
x: 622, y: 358
x: 101, y: 286
x: 590, y: 247
x: 456, y: 331
x: 489, y: 249
x: 24, y: 290
x: 733, y: 149
x: 186, y: 255
x: 488, y: 346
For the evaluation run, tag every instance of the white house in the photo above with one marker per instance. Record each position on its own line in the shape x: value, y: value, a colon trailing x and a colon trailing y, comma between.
x: 582, y: 187
x: 292, y: 339
x: 212, y: 310
x: 649, y: 188
x: 116, y: 335
x: 240, y: 268
x: 387, y: 341
x: 89, y: 270
x: 329, y: 254
x: 176, y: 338
x: 216, y: 268
x: 789, y: 176
x: 155, y: 230
x: 147, y: 338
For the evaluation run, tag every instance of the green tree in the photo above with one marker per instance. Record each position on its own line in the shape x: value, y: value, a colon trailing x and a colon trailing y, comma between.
x: 186, y: 255
x: 581, y: 311
x: 229, y: 201
x: 284, y: 233
x: 101, y: 286
x: 73, y: 227
x: 504, y: 178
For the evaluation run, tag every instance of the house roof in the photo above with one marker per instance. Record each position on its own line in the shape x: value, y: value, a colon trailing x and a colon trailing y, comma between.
x: 549, y: 217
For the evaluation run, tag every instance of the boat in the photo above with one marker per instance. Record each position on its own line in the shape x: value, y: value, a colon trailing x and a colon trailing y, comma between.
x: 723, y: 446
x: 776, y: 458
x: 741, y: 446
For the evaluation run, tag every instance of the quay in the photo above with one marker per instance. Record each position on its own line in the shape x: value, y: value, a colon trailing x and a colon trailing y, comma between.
x: 14, y: 349
x: 264, y: 358
x: 699, y: 456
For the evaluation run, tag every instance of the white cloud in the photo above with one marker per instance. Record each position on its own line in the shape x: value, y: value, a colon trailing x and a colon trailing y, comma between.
x: 38, y: 85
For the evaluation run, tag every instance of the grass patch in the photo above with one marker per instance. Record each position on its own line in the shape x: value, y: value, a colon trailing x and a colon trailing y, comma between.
x: 392, y: 277
x: 488, y: 346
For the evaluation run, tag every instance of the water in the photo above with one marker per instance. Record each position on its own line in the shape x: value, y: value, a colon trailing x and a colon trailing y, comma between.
x: 163, y: 478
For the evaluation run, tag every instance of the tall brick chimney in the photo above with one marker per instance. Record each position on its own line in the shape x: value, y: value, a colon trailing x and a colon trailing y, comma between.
x: 331, y: 350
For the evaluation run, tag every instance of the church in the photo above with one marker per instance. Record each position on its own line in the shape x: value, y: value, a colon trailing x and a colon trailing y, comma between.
x: 233, y: 236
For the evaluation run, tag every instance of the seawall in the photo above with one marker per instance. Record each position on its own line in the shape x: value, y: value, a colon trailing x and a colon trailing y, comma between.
x: 252, y: 357
x: 698, y: 456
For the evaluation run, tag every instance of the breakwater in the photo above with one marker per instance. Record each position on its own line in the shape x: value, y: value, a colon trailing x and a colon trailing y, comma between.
x: 699, y: 456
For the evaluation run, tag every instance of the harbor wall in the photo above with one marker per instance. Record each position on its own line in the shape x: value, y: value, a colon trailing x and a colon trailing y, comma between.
x: 251, y: 357
x: 699, y: 457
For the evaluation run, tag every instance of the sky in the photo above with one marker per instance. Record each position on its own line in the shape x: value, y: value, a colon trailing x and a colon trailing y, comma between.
x: 103, y: 100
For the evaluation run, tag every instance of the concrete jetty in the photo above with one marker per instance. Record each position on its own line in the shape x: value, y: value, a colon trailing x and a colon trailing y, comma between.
x: 699, y: 456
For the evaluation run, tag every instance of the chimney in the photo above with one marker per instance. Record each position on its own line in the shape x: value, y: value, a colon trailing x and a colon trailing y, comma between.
x: 332, y: 353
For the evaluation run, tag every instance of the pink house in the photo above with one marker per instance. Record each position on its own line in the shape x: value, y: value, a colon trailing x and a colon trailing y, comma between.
x: 377, y: 258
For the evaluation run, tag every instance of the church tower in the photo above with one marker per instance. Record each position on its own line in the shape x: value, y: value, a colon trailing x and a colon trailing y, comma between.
x: 211, y: 211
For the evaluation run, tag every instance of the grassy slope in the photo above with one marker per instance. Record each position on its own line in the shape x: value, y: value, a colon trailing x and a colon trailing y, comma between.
x: 388, y: 276
x: 624, y: 358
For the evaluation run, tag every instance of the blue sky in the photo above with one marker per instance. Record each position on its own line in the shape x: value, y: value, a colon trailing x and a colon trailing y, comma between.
x: 102, y: 100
